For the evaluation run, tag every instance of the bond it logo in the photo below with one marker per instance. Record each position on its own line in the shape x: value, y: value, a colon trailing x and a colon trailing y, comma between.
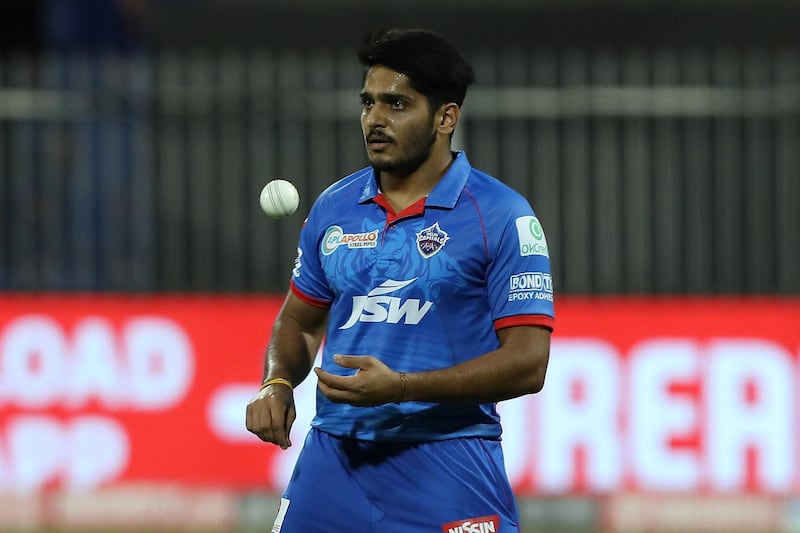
x: 530, y: 286
x: 531, y: 237
x: 335, y: 237
x: 484, y: 524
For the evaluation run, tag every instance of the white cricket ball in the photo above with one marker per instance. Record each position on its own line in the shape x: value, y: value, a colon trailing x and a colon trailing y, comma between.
x: 279, y: 198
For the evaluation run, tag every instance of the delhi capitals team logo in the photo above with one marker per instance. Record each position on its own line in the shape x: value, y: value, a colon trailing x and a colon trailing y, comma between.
x: 431, y: 240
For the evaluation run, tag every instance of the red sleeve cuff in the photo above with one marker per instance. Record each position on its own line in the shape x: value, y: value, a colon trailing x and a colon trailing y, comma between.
x: 525, y: 320
x: 310, y: 300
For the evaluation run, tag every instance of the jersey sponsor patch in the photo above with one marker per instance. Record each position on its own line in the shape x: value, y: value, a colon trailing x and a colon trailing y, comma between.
x: 531, y: 237
x: 431, y: 240
x: 530, y: 286
x: 483, y: 524
x: 335, y: 237
x: 377, y: 307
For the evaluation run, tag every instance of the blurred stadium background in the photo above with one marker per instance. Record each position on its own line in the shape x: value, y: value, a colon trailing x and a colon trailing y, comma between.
x: 659, y: 143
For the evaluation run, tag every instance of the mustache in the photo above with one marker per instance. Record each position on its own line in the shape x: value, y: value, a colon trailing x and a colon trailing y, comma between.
x: 378, y: 136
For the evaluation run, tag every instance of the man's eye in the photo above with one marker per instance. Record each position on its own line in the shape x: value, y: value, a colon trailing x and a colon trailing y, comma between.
x: 398, y: 104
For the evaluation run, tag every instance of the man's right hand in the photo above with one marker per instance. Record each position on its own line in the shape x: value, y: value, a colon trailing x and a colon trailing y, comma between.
x: 271, y: 413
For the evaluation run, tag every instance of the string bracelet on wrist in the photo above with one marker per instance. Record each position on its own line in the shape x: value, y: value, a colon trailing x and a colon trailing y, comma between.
x: 403, y: 379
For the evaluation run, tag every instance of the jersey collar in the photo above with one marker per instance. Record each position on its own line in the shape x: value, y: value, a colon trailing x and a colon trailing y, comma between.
x: 445, y: 194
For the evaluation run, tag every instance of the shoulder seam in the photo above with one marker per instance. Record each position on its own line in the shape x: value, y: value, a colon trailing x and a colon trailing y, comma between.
x: 480, y: 220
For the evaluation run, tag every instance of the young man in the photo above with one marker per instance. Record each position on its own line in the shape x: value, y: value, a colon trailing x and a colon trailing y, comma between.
x: 431, y: 283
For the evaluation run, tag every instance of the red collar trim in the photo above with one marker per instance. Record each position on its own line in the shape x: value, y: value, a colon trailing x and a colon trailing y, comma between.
x: 417, y: 208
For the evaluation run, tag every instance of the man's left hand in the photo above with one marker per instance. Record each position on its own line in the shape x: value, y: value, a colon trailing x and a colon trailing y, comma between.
x: 374, y: 383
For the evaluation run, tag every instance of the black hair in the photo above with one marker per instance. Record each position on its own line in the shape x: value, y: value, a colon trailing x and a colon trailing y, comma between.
x: 433, y: 64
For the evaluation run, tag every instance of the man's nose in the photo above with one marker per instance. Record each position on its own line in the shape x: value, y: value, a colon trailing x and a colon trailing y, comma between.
x: 375, y: 115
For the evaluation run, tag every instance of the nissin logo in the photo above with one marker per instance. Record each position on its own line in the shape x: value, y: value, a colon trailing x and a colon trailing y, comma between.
x: 377, y: 307
x: 484, y: 524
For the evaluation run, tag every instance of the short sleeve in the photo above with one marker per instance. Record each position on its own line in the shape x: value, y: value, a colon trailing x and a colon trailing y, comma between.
x: 519, y: 279
x: 308, y: 281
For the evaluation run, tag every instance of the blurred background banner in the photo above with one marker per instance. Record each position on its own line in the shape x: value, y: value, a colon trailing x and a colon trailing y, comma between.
x: 102, y: 389
x: 658, y: 142
x: 668, y: 396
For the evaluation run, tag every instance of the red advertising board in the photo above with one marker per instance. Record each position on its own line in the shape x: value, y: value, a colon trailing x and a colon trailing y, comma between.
x: 96, y: 390
x: 650, y: 395
x: 664, y: 395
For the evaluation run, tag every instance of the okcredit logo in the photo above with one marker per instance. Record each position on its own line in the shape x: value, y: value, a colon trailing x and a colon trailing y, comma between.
x: 531, y: 237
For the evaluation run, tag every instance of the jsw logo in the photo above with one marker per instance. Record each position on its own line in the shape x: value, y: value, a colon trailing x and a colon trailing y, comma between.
x: 376, y: 307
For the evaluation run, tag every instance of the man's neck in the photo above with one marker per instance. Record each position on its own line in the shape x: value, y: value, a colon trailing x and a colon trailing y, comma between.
x: 402, y: 191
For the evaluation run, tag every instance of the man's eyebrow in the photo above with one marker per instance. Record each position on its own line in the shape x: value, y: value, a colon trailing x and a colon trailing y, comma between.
x: 385, y: 97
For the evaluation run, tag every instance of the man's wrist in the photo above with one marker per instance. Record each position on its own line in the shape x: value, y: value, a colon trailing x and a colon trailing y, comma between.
x: 276, y: 381
x: 403, y: 386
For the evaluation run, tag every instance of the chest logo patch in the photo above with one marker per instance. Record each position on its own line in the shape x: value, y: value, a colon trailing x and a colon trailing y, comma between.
x: 431, y: 240
x: 335, y: 237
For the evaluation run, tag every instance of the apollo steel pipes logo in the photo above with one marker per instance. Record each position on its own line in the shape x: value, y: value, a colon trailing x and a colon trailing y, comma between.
x: 531, y: 237
x: 335, y: 237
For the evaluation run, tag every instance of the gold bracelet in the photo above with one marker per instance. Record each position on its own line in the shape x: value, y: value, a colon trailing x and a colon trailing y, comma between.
x: 403, y: 379
x: 276, y: 381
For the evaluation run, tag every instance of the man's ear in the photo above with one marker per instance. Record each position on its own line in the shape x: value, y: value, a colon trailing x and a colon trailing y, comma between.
x: 447, y: 118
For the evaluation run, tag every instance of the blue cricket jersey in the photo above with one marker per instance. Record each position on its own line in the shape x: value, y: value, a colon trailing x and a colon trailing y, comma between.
x: 421, y: 290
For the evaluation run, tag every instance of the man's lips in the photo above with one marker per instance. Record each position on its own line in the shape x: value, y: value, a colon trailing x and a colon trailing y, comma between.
x: 378, y: 141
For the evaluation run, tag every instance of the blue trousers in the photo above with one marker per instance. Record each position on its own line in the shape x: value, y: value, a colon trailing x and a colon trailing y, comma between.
x: 352, y: 486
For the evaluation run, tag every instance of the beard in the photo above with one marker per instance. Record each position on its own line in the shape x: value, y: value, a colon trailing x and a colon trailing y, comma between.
x: 418, y: 150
